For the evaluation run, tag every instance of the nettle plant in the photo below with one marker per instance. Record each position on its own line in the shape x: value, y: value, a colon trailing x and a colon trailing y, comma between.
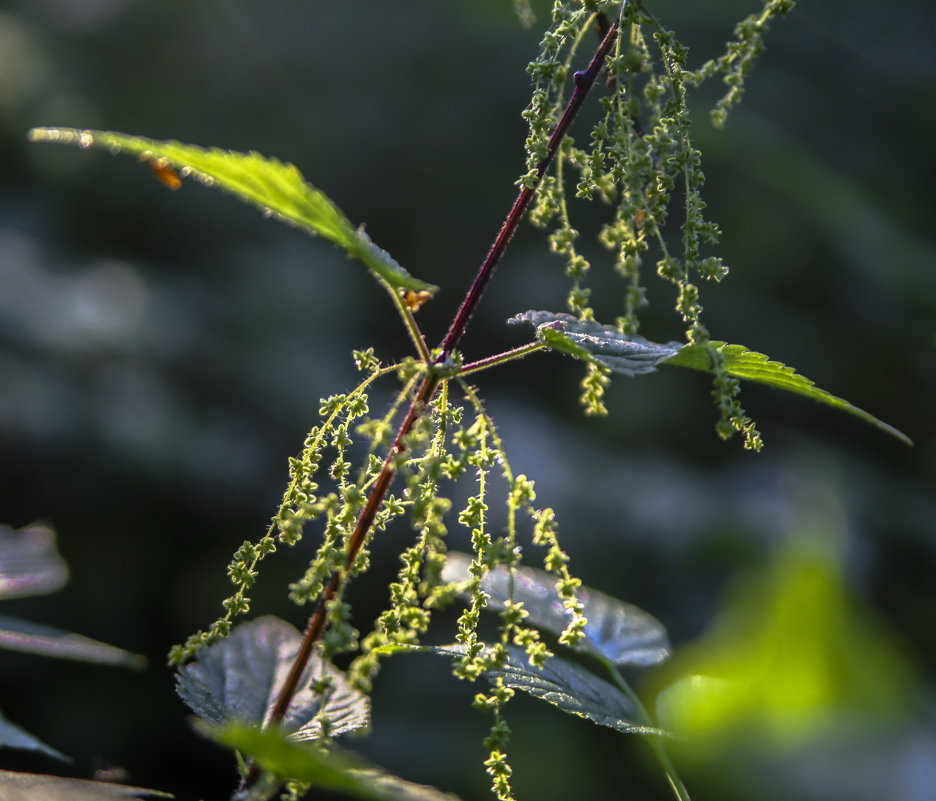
x: 273, y: 694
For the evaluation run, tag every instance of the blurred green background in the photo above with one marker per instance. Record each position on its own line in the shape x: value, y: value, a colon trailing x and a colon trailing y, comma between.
x: 161, y: 355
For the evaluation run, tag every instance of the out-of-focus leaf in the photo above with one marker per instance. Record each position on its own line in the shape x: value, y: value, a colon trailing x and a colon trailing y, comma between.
x: 38, y: 787
x: 393, y: 788
x: 616, y: 631
x: 239, y: 678
x: 275, y: 752
x: 277, y: 188
x: 592, y: 342
x: 23, y: 635
x: 789, y: 660
x: 332, y: 769
x: 30, y: 563
x: 751, y: 366
x: 13, y: 736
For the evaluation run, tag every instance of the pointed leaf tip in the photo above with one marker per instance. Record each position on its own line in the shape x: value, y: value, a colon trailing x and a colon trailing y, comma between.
x: 34, y: 638
x: 750, y: 365
x: 633, y: 355
x: 564, y: 684
x: 574, y: 690
x: 13, y: 736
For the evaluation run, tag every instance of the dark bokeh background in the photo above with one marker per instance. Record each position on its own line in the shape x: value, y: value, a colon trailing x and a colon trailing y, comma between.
x: 161, y: 355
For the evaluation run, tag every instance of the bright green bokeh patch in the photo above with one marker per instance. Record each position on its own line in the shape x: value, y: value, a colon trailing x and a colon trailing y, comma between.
x: 790, y: 658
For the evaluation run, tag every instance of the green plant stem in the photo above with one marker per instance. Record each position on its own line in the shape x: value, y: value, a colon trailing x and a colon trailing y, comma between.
x: 501, y: 358
x: 406, y: 314
x: 316, y: 625
x: 655, y: 742
x: 583, y: 82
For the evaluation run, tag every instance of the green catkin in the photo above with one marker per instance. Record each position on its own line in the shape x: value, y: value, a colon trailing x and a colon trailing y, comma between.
x: 641, y: 160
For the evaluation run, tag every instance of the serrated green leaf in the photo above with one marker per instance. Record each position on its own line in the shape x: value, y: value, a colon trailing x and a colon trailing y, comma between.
x: 632, y: 355
x: 564, y: 684
x: 601, y: 344
x: 574, y: 690
x: 749, y: 365
x: 619, y: 632
x: 239, y: 679
x: 278, y: 189
x: 34, y: 638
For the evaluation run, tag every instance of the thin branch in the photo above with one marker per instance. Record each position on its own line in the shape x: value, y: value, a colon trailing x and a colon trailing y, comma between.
x: 501, y: 358
x: 583, y: 82
x: 406, y: 314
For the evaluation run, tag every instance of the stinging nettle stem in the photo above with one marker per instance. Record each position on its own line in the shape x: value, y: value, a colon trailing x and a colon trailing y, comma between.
x: 583, y: 82
x: 316, y: 625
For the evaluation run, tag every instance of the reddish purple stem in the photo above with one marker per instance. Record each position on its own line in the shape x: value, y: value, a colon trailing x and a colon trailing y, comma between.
x: 316, y: 625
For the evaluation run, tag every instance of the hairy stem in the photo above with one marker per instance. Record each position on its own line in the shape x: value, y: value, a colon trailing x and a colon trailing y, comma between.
x: 316, y: 624
x: 501, y: 358
x: 656, y: 743
x: 583, y: 82
x: 406, y: 314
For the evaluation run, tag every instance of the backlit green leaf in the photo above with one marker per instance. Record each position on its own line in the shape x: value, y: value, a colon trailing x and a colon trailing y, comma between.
x: 632, y: 355
x: 275, y: 752
x: 751, y: 366
x: 791, y: 658
x: 572, y: 689
x: 277, y: 188
x: 564, y: 684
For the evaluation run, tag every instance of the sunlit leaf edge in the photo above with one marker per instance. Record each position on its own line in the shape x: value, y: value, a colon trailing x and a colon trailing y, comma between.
x: 519, y: 675
x: 278, y: 188
x: 598, y: 344
x: 749, y: 365
x: 740, y: 362
x: 332, y: 769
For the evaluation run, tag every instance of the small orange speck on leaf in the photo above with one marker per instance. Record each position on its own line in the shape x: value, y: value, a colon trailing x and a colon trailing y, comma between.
x: 164, y: 173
